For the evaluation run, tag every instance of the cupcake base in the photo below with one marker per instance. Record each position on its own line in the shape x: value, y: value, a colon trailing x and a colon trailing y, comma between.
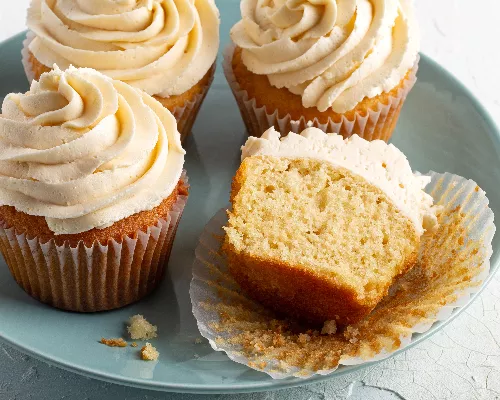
x: 184, y: 107
x: 262, y: 106
x: 454, y: 261
x: 75, y: 275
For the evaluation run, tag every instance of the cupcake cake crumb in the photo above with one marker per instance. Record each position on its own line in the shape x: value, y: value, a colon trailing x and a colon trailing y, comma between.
x: 115, y: 342
x: 149, y: 353
x: 140, y: 328
x: 198, y: 341
x: 304, y: 338
x: 134, y: 344
x: 329, y: 328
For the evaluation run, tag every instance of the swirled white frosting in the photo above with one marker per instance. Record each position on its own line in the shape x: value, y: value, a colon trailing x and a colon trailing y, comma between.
x: 85, y: 151
x: 333, y: 53
x: 163, y: 47
x: 379, y: 163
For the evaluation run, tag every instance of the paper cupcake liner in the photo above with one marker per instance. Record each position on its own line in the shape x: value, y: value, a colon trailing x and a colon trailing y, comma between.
x: 185, y: 115
x: 28, y: 70
x: 378, y: 123
x: 92, y: 278
x: 453, y: 263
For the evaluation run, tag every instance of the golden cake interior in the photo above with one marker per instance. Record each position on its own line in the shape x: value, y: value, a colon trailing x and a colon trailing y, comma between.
x: 313, y: 240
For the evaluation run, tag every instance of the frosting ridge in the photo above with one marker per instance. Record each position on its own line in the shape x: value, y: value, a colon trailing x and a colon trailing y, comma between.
x: 163, y: 47
x: 333, y: 53
x: 85, y: 151
x: 381, y: 164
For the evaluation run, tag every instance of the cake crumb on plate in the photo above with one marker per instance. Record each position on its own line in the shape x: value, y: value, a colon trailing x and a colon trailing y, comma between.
x: 115, y: 342
x: 140, y: 328
x: 149, y: 353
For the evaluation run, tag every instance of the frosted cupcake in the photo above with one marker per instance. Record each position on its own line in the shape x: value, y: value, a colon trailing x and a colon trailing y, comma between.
x: 320, y: 226
x: 91, y: 190
x: 168, y: 49
x: 342, y: 66
x: 318, y: 229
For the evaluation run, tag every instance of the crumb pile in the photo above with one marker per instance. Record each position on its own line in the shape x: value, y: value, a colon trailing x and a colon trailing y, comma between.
x: 139, y: 329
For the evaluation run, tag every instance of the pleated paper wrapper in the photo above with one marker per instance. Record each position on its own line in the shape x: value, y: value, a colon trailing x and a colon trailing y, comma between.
x: 185, y: 116
x: 92, y: 278
x: 28, y: 70
x: 378, y: 123
x: 453, y: 263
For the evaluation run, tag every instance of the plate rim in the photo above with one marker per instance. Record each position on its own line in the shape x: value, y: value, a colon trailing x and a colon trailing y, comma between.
x: 269, y: 385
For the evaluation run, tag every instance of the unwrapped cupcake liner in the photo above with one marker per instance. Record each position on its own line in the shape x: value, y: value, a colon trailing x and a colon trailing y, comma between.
x: 453, y: 263
x: 92, y: 278
x: 185, y: 115
x: 378, y: 123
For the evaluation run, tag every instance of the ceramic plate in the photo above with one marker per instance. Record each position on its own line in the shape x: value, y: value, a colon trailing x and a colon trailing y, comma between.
x: 442, y: 128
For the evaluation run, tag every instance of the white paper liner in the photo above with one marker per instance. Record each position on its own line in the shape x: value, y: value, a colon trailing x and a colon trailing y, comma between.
x: 374, y: 125
x: 185, y: 115
x: 28, y: 70
x: 92, y: 278
x: 212, y: 285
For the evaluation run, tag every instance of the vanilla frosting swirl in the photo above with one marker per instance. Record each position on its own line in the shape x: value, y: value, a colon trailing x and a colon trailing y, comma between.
x: 85, y: 151
x: 381, y: 164
x: 163, y: 47
x: 333, y: 53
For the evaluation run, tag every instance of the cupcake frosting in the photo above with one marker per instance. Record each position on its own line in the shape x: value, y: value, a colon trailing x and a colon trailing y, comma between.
x: 381, y: 164
x: 163, y: 47
x: 333, y: 53
x: 85, y: 151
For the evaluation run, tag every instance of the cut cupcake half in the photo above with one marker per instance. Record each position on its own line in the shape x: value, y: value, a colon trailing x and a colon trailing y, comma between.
x: 320, y: 226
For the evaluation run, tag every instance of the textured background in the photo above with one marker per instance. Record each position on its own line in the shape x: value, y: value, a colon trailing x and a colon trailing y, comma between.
x: 462, y: 362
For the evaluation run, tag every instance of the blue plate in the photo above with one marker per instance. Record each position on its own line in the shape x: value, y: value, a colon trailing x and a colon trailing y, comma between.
x: 442, y: 128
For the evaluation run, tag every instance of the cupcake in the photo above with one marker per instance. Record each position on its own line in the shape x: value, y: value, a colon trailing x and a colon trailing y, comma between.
x: 91, y: 190
x: 320, y: 226
x: 341, y: 66
x: 453, y: 262
x: 167, y: 49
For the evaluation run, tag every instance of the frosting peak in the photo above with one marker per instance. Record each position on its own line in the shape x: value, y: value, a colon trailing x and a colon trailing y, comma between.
x: 333, y: 53
x: 163, y: 47
x: 381, y: 164
x: 85, y: 151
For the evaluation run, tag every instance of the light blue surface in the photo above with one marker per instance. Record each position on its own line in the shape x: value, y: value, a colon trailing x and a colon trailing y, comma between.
x: 442, y: 128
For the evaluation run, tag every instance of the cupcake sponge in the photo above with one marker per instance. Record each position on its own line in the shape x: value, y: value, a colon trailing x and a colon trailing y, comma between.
x: 313, y: 240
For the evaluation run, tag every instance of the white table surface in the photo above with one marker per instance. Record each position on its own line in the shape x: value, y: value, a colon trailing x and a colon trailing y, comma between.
x: 461, y: 362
